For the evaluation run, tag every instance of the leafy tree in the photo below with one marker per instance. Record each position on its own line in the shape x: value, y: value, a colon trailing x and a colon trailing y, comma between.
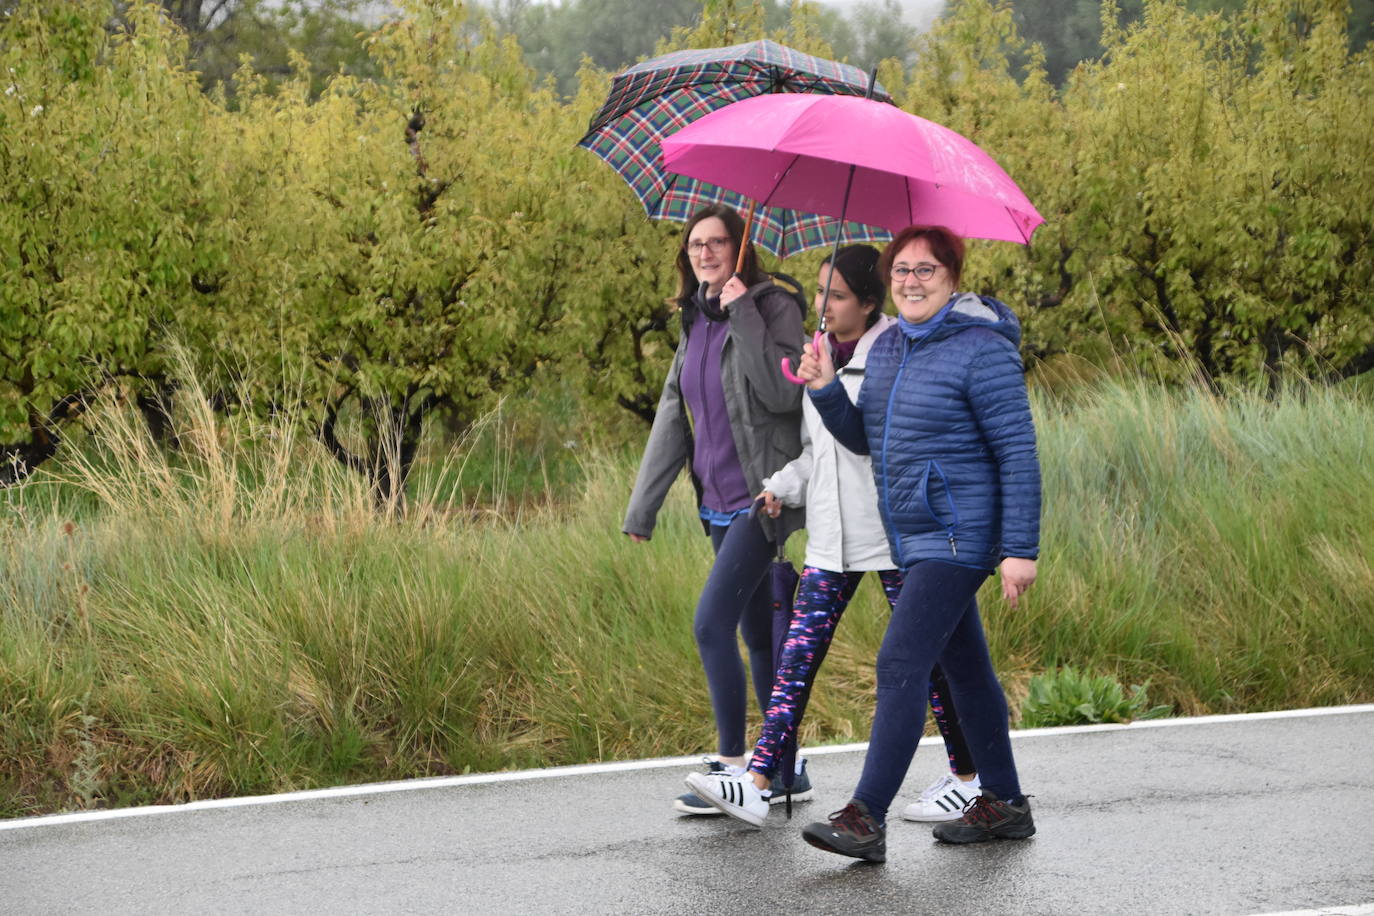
x: 377, y: 253
x: 99, y: 247
x: 445, y: 257
x: 1207, y: 186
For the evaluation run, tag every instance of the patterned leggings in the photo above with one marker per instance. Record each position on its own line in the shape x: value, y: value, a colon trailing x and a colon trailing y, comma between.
x: 821, y: 601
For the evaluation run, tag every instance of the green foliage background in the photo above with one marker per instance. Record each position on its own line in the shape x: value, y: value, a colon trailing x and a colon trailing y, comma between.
x: 1207, y: 186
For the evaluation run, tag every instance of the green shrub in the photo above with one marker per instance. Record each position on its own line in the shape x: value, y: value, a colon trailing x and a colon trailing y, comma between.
x: 1067, y: 696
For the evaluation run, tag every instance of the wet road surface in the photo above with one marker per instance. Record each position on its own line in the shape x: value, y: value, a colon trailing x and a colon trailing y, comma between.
x: 1234, y: 815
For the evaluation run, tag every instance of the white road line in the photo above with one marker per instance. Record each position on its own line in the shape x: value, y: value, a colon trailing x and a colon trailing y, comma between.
x: 1197, y: 720
x: 442, y: 782
x: 1354, y: 909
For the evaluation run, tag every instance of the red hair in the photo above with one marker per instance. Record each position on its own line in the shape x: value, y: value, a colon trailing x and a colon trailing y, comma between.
x: 947, y: 247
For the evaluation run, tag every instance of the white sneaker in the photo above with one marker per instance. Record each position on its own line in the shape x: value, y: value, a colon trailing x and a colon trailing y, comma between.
x: 943, y: 800
x: 733, y: 793
x: 688, y: 803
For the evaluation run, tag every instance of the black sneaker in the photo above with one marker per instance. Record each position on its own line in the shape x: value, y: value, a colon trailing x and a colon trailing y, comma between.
x: 988, y: 818
x: 691, y: 803
x: 851, y: 831
x: 801, y: 787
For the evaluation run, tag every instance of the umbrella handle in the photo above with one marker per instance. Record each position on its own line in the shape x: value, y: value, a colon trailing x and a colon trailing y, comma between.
x: 787, y: 372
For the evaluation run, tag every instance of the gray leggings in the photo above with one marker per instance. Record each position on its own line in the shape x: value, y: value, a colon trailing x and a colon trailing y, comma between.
x: 736, y: 597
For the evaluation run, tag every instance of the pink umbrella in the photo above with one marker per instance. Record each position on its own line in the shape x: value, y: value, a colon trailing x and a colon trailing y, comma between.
x: 854, y: 159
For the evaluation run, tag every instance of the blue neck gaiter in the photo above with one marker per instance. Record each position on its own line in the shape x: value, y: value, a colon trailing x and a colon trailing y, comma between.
x: 920, y: 331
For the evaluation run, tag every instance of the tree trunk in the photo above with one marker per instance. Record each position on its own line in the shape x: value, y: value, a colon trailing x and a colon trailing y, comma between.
x: 20, y: 459
x: 389, y: 452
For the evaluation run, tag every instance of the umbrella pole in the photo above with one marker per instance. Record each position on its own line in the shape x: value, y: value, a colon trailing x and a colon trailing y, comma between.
x: 744, y: 243
x: 835, y: 253
x: 825, y: 298
x: 844, y: 208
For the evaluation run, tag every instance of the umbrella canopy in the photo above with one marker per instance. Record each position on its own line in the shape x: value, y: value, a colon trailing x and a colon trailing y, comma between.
x: 853, y: 158
x: 653, y: 99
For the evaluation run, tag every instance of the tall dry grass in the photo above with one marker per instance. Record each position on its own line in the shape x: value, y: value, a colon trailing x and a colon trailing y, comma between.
x: 237, y: 618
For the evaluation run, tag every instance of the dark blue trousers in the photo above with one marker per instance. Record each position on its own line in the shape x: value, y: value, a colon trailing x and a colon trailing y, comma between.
x: 736, y: 598
x: 936, y: 620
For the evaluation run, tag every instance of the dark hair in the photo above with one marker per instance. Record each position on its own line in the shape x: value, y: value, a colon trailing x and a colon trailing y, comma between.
x: 858, y: 264
x: 947, y: 247
x: 734, y: 224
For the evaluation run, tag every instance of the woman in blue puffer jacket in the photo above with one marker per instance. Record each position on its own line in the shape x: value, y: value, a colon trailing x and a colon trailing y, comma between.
x: 943, y: 413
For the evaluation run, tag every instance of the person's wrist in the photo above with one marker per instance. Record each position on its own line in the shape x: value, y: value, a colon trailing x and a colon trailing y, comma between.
x: 819, y: 385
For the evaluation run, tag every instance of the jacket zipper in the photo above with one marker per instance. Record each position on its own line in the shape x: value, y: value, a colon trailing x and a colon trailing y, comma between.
x: 690, y: 423
x: 887, y: 431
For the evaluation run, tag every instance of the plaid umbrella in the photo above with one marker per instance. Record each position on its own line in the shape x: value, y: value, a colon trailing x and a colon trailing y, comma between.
x: 653, y: 99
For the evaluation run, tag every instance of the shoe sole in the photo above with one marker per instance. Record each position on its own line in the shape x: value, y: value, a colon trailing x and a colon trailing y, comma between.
x: 871, y: 855
x: 697, y: 783
x: 1018, y: 833
x: 938, y: 818
x: 778, y: 798
x: 679, y: 807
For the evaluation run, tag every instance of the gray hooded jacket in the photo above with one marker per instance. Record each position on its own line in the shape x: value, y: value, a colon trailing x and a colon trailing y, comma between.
x: 764, y: 408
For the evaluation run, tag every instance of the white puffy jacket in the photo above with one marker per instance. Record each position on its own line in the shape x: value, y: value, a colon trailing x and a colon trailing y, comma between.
x: 843, y: 528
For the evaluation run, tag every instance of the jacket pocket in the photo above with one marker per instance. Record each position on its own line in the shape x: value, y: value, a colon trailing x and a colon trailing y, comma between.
x: 943, y: 511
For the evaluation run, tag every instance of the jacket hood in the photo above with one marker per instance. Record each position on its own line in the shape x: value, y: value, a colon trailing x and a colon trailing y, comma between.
x: 973, y: 311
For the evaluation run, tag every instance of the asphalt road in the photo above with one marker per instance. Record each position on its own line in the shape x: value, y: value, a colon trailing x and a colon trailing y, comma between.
x: 1236, y: 815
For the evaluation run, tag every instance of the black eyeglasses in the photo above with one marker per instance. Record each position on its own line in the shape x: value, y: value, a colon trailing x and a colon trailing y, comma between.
x: 696, y: 246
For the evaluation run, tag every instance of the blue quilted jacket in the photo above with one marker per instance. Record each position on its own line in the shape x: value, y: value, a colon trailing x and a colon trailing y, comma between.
x: 948, y: 425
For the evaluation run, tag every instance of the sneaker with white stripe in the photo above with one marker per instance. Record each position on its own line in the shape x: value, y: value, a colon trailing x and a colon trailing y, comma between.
x: 689, y: 803
x: 734, y: 794
x: 943, y: 800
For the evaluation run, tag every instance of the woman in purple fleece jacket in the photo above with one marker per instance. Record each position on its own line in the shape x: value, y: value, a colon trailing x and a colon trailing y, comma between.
x: 730, y: 417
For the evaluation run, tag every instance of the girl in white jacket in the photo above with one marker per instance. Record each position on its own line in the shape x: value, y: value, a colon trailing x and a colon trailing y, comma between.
x: 845, y: 539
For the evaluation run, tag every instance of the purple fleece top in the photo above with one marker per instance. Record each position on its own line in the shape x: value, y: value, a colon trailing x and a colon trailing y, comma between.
x: 842, y: 353
x: 715, y: 460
